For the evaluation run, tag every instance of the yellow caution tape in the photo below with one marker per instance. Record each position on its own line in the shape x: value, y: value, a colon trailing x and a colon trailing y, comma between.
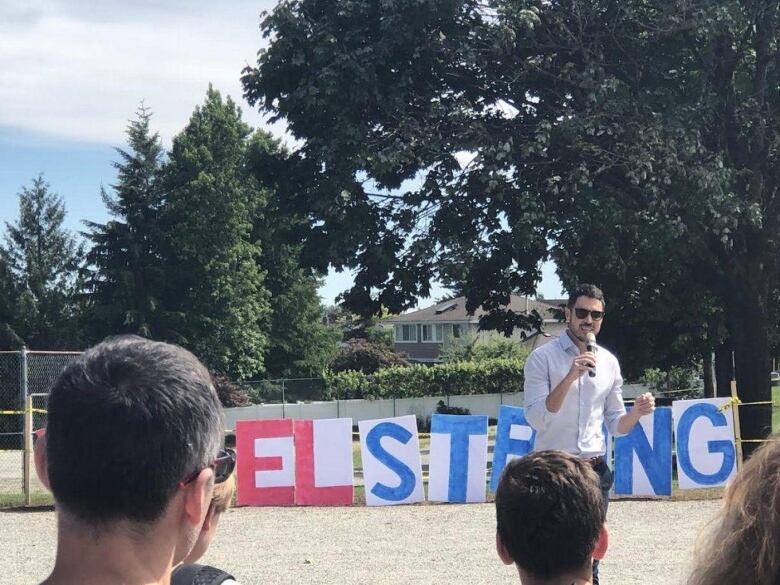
x: 734, y: 400
x: 34, y: 410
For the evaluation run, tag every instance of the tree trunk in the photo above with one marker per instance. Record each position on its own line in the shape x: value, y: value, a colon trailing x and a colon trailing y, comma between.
x: 724, y: 371
x: 752, y: 360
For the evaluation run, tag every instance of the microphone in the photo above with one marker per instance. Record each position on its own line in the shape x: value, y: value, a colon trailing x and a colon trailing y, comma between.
x: 592, y: 347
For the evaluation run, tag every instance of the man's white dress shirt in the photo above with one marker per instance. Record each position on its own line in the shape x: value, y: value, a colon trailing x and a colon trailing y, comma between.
x: 577, y: 427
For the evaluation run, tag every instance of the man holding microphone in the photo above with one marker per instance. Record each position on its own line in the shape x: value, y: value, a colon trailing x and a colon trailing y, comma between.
x: 572, y: 388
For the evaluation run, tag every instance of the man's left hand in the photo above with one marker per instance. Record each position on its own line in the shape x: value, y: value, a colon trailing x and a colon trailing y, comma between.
x: 644, y: 404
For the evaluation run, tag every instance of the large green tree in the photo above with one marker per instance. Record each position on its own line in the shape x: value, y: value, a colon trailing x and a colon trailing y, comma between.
x: 214, y: 291
x: 126, y: 276
x: 494, y: 132
x: 300, y: 343
x: 41, y: 261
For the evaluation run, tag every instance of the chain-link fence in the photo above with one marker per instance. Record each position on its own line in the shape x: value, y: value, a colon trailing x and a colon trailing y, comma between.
x: 23, y: 374
x: 286, y: 390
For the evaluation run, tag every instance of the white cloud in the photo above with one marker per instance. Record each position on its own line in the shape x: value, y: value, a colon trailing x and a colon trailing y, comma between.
x: 79, y: 70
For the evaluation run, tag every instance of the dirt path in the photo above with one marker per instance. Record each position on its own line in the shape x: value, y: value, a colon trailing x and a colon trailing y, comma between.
x: 651, y: 543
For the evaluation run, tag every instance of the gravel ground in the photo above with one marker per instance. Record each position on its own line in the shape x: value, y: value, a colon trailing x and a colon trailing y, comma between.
x: 651, y: 543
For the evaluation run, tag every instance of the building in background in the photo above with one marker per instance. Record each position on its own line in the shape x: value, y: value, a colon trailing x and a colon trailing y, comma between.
x: 422, y: 334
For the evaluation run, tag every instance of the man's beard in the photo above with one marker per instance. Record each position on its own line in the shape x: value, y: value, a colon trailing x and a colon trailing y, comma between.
x: 576, y: 334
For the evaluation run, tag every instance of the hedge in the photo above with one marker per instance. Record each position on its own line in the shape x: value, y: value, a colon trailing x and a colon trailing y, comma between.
x: 483, y: 377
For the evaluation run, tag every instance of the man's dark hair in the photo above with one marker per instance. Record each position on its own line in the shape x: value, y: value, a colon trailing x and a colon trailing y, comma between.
x: 127, y: 422
x: 585, y: 290
x: 549, y: 511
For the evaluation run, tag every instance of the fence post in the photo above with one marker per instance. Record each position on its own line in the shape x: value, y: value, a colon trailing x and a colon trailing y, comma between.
x: 22, y: 403
x: 283, y: 400
x: 28, y: 450
x: 737, y: 431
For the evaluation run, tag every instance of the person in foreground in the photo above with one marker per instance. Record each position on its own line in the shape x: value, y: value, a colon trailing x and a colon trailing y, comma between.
x: 189, y: 572
x: 573, y: 389
x: 131, y: 453
x: 742, y: 544
x: 550, y: 518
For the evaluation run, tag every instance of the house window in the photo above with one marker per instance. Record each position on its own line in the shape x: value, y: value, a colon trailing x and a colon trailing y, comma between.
x: 405, y: 333
x: 457, y: 330
x: 432, y: 333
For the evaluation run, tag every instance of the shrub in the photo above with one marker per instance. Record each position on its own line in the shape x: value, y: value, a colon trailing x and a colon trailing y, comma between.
x: 230, y: 394
x: 365, y: 356
x: 485, y: 377
x: 469, y: 348
x: 442, y: 408
x: 676, y: 380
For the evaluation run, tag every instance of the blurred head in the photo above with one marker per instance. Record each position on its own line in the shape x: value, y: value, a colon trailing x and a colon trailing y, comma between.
x: 742, y: 545
x: 220, y: 502
x: 585, y: 311
x: 128, y: 421
x: 550, y: 515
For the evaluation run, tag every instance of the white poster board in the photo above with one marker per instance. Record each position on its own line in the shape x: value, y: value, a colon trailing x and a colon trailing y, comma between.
x: 706, y: 449
x: 392, y: 468
x: 458, y: 458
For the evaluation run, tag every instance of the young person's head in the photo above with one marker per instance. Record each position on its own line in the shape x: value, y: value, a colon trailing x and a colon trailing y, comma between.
x: 134, y: 426
x: 743, y: 543
x: 585, y: 311
x: 550, y: 517
x: 220, y: 502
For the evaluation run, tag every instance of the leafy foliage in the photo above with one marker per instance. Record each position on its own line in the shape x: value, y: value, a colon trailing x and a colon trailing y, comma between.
x: 214, y: 290
x: 460, y: 140
x: 486, y: 377
x: 362, y: 355
x: 675, y: 381
x: 470, y: 348
x: 300, y: 343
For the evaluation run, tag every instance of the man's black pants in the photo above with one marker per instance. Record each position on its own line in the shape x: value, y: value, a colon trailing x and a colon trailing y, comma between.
x: 606, y: 478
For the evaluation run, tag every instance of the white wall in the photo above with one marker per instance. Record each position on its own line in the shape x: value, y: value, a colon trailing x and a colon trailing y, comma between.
x: 485, y: 404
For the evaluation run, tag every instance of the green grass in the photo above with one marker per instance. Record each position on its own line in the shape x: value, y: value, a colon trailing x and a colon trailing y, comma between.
x: 16, y: 499
x: 775, y: 409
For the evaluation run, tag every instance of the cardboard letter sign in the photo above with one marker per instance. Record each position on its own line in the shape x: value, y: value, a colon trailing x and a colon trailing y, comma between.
x: 392, y: 471
x: 458, y: 458
x: 266, y: 462
x: 323, y: 462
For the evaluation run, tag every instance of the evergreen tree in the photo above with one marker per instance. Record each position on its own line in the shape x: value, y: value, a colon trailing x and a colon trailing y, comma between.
x: 126, y: 276
x: 9, y: 339
x: 42, y: 259
x: 214, y: 290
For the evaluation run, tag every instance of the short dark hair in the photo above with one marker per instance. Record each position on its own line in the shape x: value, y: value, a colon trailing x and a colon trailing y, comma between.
x: 127, y: 422
x: 549, y: 512
x: 585, y: 290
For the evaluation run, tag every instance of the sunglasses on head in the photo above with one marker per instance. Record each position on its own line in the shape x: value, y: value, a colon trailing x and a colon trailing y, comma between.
x: 223, y: 465
x: 582, y: 313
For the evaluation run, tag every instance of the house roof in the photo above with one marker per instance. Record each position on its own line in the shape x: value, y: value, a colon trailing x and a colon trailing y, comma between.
x: 454, y: 311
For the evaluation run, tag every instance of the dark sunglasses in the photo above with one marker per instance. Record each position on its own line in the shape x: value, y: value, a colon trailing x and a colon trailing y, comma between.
x: 582, y: 313
x: 223, y: 465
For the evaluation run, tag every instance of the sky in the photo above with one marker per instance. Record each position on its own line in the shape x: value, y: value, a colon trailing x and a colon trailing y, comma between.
x: 73, y: 72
